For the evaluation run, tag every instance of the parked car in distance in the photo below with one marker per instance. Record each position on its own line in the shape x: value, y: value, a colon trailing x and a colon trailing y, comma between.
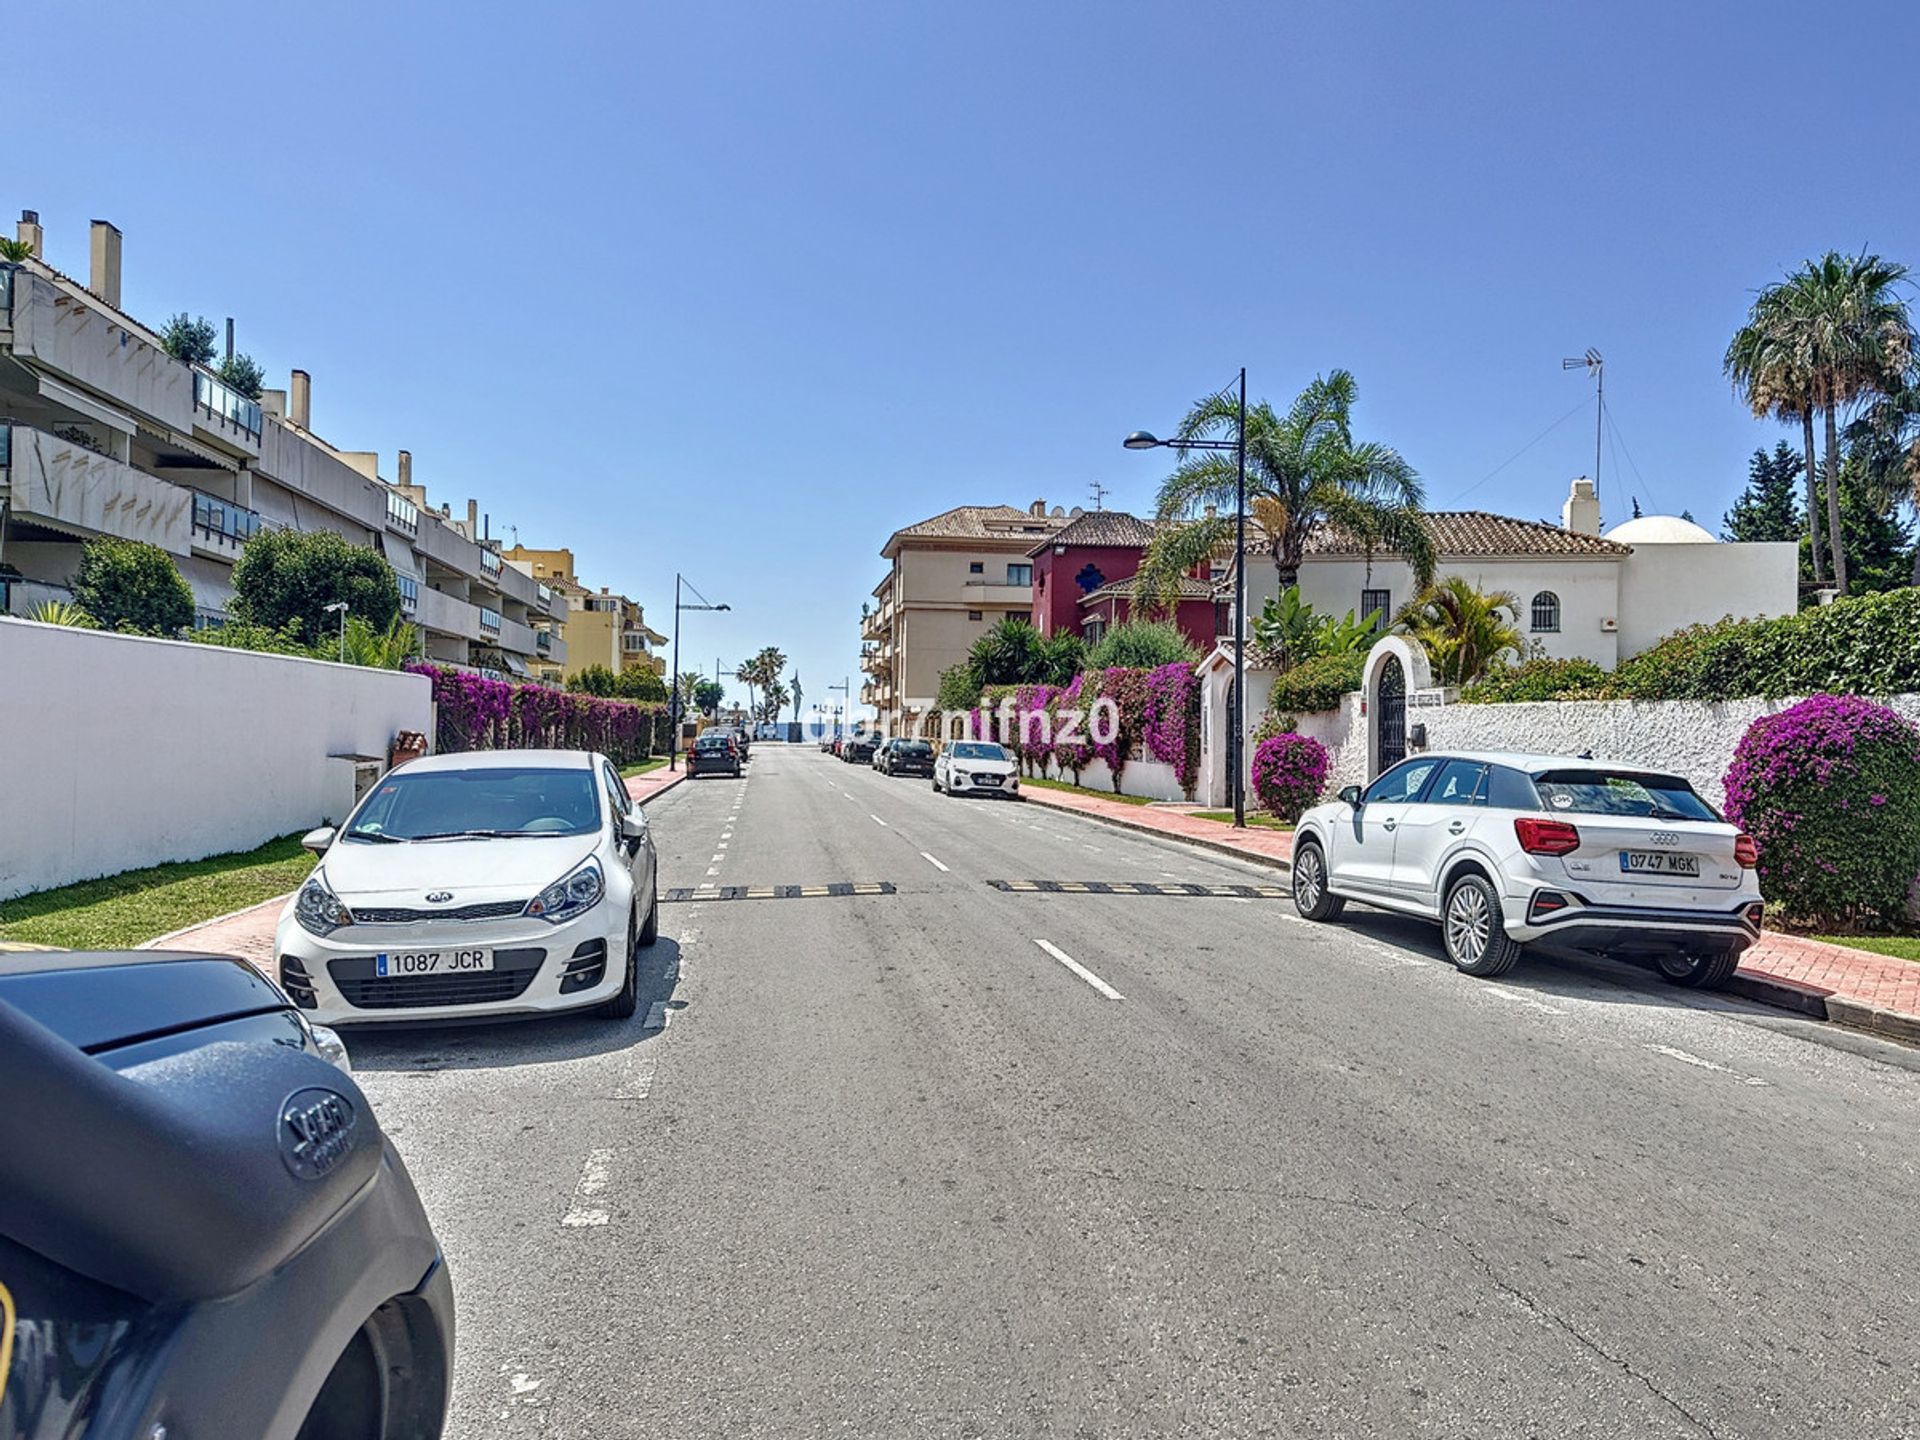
x: 907, y: 757
x: 197, y: 1178
x: 508, y: 882
x: 714, y: 754
x: 858, y: 749
x: 734, y: 733
x: 1510, y: 851
x: 880, y: 754
x: 976, y: 767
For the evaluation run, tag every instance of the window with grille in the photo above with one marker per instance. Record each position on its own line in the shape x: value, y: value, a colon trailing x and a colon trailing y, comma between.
x: 1376, y: 605
x: 1546, y: 613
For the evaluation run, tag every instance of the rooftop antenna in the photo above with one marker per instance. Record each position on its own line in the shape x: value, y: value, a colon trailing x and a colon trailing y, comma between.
x: 1595, y: 366
x: 1099, y: 493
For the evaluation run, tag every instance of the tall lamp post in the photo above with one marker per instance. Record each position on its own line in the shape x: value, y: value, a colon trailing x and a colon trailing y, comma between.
x: 845, y: 687
x: 1237, y: 731
x: 673, y: 700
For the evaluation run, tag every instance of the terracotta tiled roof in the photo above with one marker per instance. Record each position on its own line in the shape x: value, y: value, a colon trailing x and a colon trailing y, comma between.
x: 1101, y: 527
x: 980, y: 522
x: 1190, y: 589
x: 1480, y: 535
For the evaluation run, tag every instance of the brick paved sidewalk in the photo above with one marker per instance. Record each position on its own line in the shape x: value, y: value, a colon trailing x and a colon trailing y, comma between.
x: 1828, y: 982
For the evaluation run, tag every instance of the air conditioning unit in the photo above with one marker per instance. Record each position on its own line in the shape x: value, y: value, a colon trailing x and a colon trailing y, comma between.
x: 1609, y: 625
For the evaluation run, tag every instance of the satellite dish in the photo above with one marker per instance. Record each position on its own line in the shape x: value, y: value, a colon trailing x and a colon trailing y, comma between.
x: 1077, y: 512
x: 1058, y: 512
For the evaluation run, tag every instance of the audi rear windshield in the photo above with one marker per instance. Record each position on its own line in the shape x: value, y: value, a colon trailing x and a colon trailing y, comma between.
x: 1621, y: 792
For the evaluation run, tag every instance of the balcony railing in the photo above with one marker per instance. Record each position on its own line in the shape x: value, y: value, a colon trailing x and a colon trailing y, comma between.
x: 409, y: 592
x: 402, y: 513
x: 224, y: 519
x: 226, y: 403
x: 545, y: 592
x: 490, y: 620
x: 489, y: 562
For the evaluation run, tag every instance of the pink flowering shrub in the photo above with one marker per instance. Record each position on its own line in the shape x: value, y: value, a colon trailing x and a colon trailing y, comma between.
x: 1170, y: 721
x: 1830, y: 791
x: 1288, y: 771
x: 475, y: 713
x: 1127, y: 689
x: 1071, y: 757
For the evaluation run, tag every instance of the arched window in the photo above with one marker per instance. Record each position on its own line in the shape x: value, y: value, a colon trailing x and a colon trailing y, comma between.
x: 1546, y: 613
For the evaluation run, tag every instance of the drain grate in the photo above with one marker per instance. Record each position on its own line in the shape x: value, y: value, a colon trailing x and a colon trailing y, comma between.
x: 1142, y: 887
x: 836, y: 891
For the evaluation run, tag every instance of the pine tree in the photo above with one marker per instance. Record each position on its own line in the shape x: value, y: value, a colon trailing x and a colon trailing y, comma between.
x: 1769, y: 508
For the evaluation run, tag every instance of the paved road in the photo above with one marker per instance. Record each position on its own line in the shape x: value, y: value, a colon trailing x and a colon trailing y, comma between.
x: 889, y: 1166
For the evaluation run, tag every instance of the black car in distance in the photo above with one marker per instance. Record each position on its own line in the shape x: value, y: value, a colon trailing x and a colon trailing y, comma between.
x: 714, y: 754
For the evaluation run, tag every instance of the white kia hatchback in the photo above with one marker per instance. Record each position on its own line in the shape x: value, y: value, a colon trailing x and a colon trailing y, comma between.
x: 511, y: 882
x: 976, y: 767
x: 1506, y: 851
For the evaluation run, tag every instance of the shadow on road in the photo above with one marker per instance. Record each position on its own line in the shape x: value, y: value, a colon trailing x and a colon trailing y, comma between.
x: 486, y: 1045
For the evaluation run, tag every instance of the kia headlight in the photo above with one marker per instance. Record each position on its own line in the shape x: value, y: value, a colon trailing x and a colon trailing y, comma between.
x: 574, y: 893
x: 318, y: 909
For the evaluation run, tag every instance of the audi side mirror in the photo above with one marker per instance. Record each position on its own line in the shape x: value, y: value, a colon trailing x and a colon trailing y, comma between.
x: 1351, y: 796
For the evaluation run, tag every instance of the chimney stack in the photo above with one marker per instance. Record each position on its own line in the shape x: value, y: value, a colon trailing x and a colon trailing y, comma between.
x: 1581, y: 513
x: 31, y: 232
x: 406, y: 468
x: 473, y: 519
x: 300, y: 400
x: 103, y: 275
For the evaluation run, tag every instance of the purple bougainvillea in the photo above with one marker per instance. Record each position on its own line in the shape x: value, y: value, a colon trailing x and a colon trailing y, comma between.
x: 475, y: 713
x: 1170, y: 721
x: 1288, y: 771
x: 1830, y: 791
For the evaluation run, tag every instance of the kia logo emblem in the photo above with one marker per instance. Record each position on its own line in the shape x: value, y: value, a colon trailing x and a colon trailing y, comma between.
x: 439, y: 897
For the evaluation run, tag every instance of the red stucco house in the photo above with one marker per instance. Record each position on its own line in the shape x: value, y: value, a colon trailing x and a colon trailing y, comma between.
x: 1083, y: 573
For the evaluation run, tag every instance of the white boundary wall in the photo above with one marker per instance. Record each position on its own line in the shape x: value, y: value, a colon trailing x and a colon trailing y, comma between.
x: 122, y: 751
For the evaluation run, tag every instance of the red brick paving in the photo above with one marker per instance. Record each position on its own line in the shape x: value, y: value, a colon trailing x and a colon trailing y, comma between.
x: 1856, y: 978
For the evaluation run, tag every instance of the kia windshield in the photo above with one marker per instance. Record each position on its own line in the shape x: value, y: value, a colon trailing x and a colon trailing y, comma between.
x: 460, y: 804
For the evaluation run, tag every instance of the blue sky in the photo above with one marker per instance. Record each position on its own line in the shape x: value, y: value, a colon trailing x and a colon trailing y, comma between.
x: 737, y: 290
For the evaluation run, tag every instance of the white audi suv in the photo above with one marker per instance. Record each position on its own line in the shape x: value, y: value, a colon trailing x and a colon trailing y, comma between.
x: 1508, y: 851
x: 466, y: 886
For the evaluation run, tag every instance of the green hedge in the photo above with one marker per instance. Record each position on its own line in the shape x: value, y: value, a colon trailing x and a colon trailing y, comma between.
x: 1316, y: 684
x: 1867, y: 645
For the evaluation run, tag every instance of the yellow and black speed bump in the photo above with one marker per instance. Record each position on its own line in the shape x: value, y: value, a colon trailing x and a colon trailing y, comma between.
x: 1141, y: 887
x: 840, y: 889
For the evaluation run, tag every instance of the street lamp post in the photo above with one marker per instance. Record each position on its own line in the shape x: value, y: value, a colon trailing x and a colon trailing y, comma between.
x: 1236, y: 737
x: 845, y: 687
x: 341, y: 606
x: 673, y: 698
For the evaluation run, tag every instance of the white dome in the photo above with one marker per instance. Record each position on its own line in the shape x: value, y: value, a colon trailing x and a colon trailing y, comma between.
x: 1660, y: 530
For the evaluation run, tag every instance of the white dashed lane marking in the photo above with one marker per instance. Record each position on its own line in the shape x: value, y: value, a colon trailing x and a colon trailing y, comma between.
x: 1077, y: 968
x: 1688, y: 1058
x: 933, y: 862
x: 878, y: 821
x: 592, y: 1183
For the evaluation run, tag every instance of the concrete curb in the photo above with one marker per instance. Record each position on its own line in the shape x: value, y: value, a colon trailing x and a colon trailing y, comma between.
x: 1786, y: 994
x: 1857, y: 1015
x: 1224, y: 847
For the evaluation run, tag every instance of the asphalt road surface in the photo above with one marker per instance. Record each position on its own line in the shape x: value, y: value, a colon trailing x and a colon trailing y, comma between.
x: 959, y: 1161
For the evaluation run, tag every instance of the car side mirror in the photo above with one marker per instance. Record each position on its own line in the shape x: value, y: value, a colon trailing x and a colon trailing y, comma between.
x: 1351, y: 796
x: 318, y: 840
x: 633, y: 825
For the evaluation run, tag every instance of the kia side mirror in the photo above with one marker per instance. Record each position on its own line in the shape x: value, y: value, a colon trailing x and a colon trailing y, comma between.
x: 1351, y: 796
x: 633, y: 826
x: 318, y: 840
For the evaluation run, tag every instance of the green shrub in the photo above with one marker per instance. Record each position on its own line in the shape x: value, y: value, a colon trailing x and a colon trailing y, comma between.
x: 289, y: 577
x: 245, y: 635
x: 1141, y: 645
x: 1317, y: 684
x: 131, y: 585
x: 639, y: 682
x: 1830, y: 791
x: 1538, y: 679
x: 593, y: 680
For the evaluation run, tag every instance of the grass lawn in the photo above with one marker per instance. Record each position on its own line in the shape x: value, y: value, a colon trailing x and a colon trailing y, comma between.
x: 1225, y: 817
x: 641, y: 767
x: 124, y: 911
x: 1084, y: 790
x: 1900, y: 947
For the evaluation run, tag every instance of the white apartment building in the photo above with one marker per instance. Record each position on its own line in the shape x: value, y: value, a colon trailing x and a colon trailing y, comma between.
x: 103, y: 432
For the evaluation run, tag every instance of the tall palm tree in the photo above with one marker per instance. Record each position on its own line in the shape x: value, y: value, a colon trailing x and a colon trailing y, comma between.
x: 1304, y: 470
x: 1769, y: 369
x: 1463, y: 631
x: 1885, y: 443
x: 1839, y: 330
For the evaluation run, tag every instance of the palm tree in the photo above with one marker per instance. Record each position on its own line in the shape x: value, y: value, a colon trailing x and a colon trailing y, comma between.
x: 15, y: 250
x: 1885, y: 442
x: 1838, y: 331
x: 1463, y: 631
x: 1304, y: 470
x: 1767, y: 367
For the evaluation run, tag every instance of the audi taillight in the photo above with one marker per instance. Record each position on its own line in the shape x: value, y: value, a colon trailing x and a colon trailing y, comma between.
x: 1546, y: 837
x: 1746, y: 852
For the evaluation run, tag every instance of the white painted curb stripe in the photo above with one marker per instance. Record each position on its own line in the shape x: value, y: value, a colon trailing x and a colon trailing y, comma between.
x: 1077, y: 968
